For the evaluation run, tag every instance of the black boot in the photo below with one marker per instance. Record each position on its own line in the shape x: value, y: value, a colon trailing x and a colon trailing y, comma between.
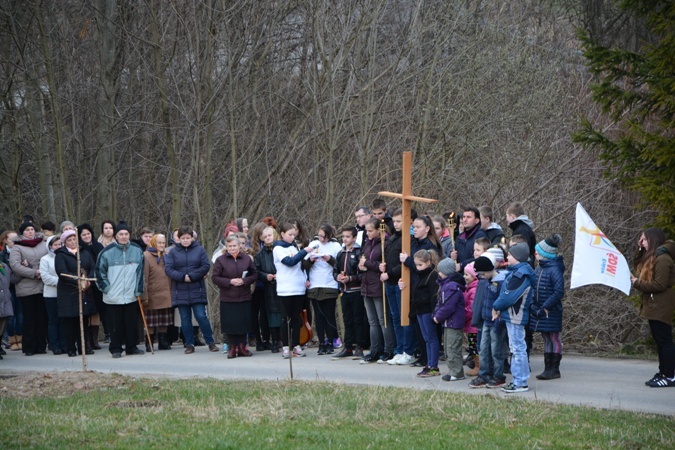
x: 275, y: 346
x: 164, y: 343
x: 93, y: 337
x: 547, y: 367
x: 147, y: 344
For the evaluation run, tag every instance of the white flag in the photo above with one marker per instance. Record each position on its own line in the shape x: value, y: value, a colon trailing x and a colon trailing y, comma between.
x: 596, y: 260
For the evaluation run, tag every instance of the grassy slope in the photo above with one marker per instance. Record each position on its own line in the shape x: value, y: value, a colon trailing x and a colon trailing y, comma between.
x: 202, y: 413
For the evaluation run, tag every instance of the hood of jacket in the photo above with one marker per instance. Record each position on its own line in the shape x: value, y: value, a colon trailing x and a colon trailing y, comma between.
x: 668, y: 247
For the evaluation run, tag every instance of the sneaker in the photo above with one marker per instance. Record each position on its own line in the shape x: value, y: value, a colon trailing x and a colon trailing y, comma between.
x: 496, y: 383
x: 114, y: 355
x: 345, y: 353
x: 424, y: 373
x: 284, y: 353
x: 322, y: 349
x: 512, y: 388
x: 337, y: 343
x: 433, y: 372
x: 136, y: 351
x: 370, y: 358
x: 385, y: 358
x: 663, y: 381
x: 393, y: 361
x: 656, y: 377
x: 478, y: 382
x: 298, y: 351
x: 448, y: 377
x: 405, y: 359
x: 358, y: 353
x: 226, y: 348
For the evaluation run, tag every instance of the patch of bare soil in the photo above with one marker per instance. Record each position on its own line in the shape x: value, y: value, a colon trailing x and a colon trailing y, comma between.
x: 56, y: 384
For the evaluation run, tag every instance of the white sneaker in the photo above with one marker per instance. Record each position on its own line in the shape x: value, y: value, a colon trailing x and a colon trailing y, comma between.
x: 298, y: 351
x: 394, y: 360
x: 284, y: 352
x: 405, y: 359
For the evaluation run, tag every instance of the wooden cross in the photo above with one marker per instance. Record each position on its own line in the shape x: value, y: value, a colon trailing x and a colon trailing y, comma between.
x: 406, y: 200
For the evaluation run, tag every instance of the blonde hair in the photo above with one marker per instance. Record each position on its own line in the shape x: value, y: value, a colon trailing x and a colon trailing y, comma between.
x: 427, y: 256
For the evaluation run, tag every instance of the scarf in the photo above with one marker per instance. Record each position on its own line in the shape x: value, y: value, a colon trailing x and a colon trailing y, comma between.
x: 153, y: 251
x: 30, y: 242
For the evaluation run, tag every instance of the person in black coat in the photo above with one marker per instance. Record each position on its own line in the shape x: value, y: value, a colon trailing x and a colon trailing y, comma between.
x: 264, y: 263
x: 68, y: 291
x: 88, y: 243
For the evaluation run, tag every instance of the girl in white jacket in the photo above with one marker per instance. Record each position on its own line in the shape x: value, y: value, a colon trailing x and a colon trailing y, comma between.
x: 50, y: 280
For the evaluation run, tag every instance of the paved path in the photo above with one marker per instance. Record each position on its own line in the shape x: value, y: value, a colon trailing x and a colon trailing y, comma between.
x: 598, y: 382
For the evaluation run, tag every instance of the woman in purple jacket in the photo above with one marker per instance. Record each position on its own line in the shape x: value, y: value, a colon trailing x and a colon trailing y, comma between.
x: 234, y: 273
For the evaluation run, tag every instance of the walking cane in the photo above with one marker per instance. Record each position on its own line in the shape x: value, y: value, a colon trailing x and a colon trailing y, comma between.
x: 145, y: 324
x: 383, y: 231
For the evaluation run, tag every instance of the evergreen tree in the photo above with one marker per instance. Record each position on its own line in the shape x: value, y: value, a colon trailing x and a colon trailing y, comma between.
x: 636, y: 91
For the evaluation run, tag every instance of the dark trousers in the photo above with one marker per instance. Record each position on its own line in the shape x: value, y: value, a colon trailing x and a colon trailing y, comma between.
x: 259, y: 326
x: 71, y: 328
x: 663, y: 335
x: 357, y: 330
x: 34, y: 324
x: 292, y: 306
x: 57, y: 340
x: 124, y: 322
x: 324, y: 317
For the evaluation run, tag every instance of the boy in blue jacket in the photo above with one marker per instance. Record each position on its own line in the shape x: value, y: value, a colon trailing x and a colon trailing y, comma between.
x: 512, y: 306
x: 493, y: 335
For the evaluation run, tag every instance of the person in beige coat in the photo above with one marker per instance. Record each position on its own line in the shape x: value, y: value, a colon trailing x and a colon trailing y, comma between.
x: 156, y: 297
x: 655, y: 279
x: 24, y: 260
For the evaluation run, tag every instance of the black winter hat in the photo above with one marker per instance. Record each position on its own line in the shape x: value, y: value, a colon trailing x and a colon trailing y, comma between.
x: 25, y: 225
x: 122, y: 226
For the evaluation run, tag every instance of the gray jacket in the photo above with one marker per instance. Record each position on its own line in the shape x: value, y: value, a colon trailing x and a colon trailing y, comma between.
x: 28, y: 282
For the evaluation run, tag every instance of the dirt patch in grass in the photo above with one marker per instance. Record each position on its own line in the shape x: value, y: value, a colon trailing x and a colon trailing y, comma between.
x: 57, y: 384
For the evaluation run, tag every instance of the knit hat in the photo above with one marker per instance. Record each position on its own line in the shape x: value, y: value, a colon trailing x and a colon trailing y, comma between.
x: 484, y: 263
x: 447, y: 266
x: 122, y: 226
x: 548, y: 248
x: 520, y: 251
x: 25, y: 225
x: 470, y: 269
x: 66, y: 234
x: 496, y: 253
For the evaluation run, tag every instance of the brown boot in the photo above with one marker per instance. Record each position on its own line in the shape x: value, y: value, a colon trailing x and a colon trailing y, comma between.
x: 19, y: 340
x: 473, y: 372
x: 13, y: 343
x: 243, y: 351
x: 232, y: 352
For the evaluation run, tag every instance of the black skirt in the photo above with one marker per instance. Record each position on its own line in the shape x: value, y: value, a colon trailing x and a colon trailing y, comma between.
x: 235, y: 318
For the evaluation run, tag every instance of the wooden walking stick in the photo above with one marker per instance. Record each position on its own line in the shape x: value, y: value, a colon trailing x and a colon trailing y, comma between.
x: 145, y: 324
x: 383, y: 233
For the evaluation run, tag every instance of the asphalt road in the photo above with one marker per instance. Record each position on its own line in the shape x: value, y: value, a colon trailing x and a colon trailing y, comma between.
x: 615, y: 384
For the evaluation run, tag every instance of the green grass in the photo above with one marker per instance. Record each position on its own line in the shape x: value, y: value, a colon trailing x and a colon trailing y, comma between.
x: 206, y: 413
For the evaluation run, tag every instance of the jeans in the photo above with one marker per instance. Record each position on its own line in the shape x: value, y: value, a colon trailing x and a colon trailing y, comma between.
x: 492, y: 352
x: 428, y: 327
x: 405, y: 336
x: 520, y: 368
x: 663, y: 335
x: 55, y: 330
x: 15, y: 322
x: 199, y: 310
x: 375, y: 313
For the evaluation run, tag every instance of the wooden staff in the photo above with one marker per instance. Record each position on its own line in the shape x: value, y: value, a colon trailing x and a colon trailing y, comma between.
x: 383, y: 233
x: 145, y: 324
x: 79, y: 289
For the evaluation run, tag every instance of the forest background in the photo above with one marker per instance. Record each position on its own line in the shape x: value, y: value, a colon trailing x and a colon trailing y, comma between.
x: 170, y: 112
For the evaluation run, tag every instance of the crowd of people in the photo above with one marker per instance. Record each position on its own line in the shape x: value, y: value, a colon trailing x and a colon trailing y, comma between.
x: 469, y: 284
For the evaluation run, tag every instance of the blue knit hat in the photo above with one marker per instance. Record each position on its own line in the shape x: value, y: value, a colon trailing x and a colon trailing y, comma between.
x: 548, y: 248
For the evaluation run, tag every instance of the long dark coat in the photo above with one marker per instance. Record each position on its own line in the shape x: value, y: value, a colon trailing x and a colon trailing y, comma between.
x: 67, y: 292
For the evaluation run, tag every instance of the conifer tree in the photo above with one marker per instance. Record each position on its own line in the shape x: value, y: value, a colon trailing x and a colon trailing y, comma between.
x: 636, y: 91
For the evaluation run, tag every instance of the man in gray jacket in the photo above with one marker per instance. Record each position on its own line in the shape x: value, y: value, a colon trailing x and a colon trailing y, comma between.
x: 119, y: 275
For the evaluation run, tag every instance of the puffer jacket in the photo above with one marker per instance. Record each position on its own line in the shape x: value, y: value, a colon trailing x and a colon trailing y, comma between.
x: 31, y: 250
x: 228, y: 268
x: 371, y: 286
x: 512, y: 302
x: 449, y: 310
x: 192, y: 261
x: 119, y: 273
x: 67, y: 291
x: 264, y: 265
x: 50, y: 278
x: 492, y: 289
x: 658, y: 295
x: 546, y: 308
x: 157, y: 292
x: 469, y: 296
x: 5, y: 294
